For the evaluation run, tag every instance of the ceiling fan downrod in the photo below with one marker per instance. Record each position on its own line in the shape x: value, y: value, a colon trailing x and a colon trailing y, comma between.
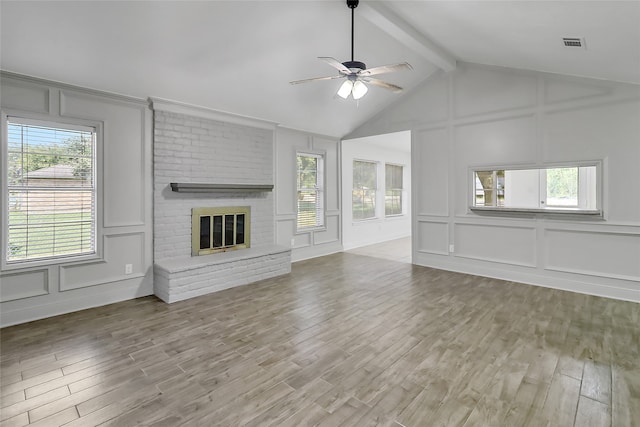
x: 352, y: 4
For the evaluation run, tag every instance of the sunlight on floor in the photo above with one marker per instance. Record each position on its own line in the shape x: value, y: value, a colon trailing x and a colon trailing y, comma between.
x: 393, y: 250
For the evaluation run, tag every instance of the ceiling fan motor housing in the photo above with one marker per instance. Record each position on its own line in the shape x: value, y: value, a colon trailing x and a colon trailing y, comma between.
x: 355, y: 64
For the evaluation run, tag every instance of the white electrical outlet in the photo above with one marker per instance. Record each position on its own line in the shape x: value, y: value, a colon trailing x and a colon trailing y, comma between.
x: 293, y: 242
x: 451, y: 248
x: 128, y: 269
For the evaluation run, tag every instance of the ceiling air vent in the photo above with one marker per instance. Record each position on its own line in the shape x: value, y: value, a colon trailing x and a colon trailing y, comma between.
x: 573, y: 42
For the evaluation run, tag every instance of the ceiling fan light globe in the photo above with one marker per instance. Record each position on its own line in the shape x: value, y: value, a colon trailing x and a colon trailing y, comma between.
x: 345, y: 89
x: 359, y: 90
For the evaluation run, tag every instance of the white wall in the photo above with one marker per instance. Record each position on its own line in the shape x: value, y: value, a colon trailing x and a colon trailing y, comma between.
x: 125, y: 217
x: 306, y: 243
x: 391, y: 148
x: 487, y: 116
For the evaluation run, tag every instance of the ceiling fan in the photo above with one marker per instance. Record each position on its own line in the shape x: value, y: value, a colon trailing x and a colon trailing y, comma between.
x: 356, y: 72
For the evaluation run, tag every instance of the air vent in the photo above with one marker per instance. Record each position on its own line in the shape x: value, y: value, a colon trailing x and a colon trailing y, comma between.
x: 573, y: 42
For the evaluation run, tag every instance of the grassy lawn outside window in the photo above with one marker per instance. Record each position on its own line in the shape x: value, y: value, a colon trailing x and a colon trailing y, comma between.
x: 51, y: 190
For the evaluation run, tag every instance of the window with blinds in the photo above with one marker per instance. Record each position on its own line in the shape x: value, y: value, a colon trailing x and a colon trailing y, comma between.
x: 365, y: 185
x: 393, y: 190
x: 51, y: 190
x: 310, y: 178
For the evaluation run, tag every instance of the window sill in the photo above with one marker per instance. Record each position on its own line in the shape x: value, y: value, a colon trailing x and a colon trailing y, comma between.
x: 46, y: 262
x: 310, y: 229
x: 554, y: 211
x: 400, y: 215
x: 364, y: 220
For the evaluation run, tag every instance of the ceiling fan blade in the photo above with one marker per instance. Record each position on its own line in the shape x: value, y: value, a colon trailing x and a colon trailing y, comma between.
x: 384, y: 85
x: 335, y: 64
x: 385, y: 69
x: 316, y: 79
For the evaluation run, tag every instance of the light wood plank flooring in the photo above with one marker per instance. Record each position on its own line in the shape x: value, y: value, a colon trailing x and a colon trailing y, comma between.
x: 344, y: 340
x: 394, y: 250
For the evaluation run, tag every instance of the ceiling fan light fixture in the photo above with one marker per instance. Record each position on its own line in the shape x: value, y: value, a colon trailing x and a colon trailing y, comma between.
x: 345, y: 89
x: 355, y: 72
x: 359, y: 89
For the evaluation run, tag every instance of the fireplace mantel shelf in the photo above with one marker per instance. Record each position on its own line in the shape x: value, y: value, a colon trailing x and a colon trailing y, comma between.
x: 188, y: 187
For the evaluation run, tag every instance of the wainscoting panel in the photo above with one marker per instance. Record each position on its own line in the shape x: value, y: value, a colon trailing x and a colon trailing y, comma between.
x: 302, y: 240
x: 432, y: 186
x: 119, y: 250
x: 24, y: 285
x: 331, y: 150
x: 331, y: 234
x: 31, y: 97
x: 285, y: 172
x: 496, y: 243
x: 433, y: 237
x: 285, y: 229
x: 124, y: 162
x: 604, y: 254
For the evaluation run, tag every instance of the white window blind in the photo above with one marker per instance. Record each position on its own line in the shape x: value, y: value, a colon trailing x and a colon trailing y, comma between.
x: 51, y: 190
x: 310, y: 171
x: 393, y: 190
x: 365, y: 185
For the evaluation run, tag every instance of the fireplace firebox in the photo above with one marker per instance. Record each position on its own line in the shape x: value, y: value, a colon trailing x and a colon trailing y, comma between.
x: 220, y: 229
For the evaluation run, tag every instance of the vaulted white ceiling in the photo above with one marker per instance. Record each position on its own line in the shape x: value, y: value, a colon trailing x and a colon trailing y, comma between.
x: 238, y: 56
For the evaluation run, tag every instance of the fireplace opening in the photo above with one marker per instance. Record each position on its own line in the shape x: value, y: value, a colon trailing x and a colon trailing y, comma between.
x: 219, y: 229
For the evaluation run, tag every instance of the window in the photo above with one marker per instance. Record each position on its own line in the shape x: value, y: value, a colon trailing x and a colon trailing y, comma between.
x: 310, y: 177
x: 51, y: 190
x: 365, y: 184
x: 393, y: 190
x: 570, y: 188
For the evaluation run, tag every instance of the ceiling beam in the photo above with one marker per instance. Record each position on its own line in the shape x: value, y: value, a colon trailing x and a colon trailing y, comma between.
x: 391, y: 23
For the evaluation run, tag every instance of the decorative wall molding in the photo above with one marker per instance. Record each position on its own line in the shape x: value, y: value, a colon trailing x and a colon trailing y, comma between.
x: 17, y: 286
x: 124, y: 203
x: 207, y: 113
x: 567, y: 282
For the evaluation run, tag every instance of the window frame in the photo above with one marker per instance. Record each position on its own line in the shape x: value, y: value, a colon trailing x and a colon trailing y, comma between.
x: 319, y: 188
x: 375, y: 190
x: 597, y: 212
x: 401, y: 189
x: 54, y: 122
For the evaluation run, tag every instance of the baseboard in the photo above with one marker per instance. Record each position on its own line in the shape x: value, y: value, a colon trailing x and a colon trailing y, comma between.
x: 550, y: 280
x: 112, y: 293
x: 350, y: 246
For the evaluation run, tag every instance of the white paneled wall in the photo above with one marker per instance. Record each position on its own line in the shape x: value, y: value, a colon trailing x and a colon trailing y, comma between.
x: 315, y: 242
x: 490, y: 116
x: 124, y: 204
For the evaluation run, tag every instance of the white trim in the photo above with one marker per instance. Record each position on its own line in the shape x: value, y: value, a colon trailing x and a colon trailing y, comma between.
x: 320, y: 155
x: 554, y: 210
x: 160, y: 104
x: 36, y: 119
x: 112, y: 293
x: 529, y: 278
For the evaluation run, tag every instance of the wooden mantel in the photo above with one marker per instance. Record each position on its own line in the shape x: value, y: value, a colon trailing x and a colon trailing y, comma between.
x: 187, y: 187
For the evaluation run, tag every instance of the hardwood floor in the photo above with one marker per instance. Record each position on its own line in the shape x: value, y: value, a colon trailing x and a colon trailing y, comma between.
x: 394, y: 250
x: 343, y: 340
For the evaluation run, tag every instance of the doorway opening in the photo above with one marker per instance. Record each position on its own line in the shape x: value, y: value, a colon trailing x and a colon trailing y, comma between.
x: 376, y: 196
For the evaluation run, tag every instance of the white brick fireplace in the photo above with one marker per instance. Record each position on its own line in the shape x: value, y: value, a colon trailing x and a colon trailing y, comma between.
x: 195, y: 145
